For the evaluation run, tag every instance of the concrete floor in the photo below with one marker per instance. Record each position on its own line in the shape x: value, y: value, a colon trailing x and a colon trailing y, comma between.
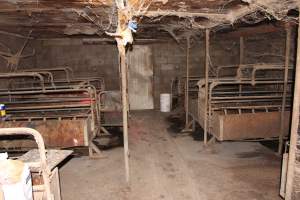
x: 163, y: 167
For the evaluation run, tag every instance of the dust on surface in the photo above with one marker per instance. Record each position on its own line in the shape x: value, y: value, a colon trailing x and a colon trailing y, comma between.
x: 168, y: 168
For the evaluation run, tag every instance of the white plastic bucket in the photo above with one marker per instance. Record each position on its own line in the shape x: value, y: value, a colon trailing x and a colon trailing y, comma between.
x: 165, y: 102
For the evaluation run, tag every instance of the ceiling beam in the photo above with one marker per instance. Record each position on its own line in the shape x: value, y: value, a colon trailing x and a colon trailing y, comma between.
x: 255, y: 30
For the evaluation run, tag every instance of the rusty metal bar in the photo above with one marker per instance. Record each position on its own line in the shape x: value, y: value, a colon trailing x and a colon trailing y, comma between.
x: 49, y: 88
x: 86, y: 80
x: 40, y: 92
x: 69, y: 76
x: 41, y: 146
x: 217, y: 83
x: 294, y: 127
x: 247, y: 107
x: 247, y: 82
x: 74, y: 82
x: 49, y: 75
x: 24, y: 74
x: 246, y: 92
x: 207, y: 32
x: 234, y: 81
x: 285, y: 85
x: 90, y: 91
x: 248, y: 97
x: 258, y: 68
x: 250, y: 66
x: 67, y: 71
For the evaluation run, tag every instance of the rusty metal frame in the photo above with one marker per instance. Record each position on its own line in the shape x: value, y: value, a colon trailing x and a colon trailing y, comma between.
x: 213, y: 82
x: 94, y: 110
x: 67, y: 70
x: 25, y: 74
x: 91, y: 85
x: 104, y: 125
x: 219, y: 101
x: 69, y: 74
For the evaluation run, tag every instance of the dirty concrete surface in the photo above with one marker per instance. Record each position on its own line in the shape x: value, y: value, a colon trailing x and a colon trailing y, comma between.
x: 168, y: 168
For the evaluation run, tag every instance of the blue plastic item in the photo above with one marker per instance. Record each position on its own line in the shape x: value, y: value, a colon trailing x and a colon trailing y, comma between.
x: 132, y: 25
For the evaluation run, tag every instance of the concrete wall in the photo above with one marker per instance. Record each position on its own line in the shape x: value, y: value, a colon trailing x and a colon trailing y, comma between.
x: 84, y: 59
x: 170, y: 61
x: 11, y: 44
x: 268, y: 48
x: 169, y: 58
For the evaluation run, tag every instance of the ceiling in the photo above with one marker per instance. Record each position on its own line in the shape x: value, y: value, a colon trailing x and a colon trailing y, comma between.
x: 157, y: 18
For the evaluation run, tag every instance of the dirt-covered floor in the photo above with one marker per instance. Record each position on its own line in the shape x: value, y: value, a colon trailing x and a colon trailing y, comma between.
x: 169, y: 168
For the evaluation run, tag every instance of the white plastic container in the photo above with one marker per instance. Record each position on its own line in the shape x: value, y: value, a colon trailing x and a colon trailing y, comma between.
x: 165, y: 102
x: 21, y: 190
x: 15, y: 179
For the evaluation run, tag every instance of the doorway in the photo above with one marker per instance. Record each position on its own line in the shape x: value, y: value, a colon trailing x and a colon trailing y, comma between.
x: 140, y: 78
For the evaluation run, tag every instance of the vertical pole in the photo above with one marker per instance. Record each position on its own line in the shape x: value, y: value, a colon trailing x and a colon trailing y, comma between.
x: 206, y: 84
x: 294, y: 127
x: 187, y: 84
x: 241, y: 61
x: 123, y: 71
x: 285, y: 84
x: 242, y: 56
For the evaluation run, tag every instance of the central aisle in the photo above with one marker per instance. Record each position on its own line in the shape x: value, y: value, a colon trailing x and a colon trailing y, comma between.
x: 163, y: 167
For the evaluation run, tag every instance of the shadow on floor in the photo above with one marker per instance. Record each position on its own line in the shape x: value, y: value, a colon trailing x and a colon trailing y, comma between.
x: 177, y: 122
x: 176, y: 125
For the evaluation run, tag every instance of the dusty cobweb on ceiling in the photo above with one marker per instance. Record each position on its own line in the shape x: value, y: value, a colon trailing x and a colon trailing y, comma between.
x: 13, y: 59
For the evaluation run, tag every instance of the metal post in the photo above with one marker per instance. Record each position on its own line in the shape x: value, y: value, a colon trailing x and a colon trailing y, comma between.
x: 242, y: 56
x: 286, y: 71
x: 187, y: 84
x: 294, y: 128
x: 206, y: 84
x: 123, y: 74
x: 241, y: 59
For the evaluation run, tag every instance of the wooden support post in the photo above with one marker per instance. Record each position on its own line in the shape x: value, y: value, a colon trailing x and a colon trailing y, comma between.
x: 123, y: 69
x: 125, y: 106
x: 294, y: 128
x: 285, y: 84
x: 206, y: 126
x: 187, y: 84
